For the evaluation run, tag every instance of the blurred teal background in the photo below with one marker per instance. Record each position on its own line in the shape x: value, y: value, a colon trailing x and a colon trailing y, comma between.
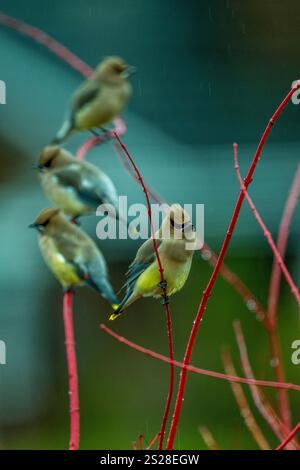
x: 209, y: 73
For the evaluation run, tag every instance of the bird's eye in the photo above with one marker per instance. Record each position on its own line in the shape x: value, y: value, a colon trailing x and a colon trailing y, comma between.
x: 47, y: 164
x: 118, y: 68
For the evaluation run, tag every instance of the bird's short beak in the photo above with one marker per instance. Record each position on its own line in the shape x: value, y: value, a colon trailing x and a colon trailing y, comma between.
x: 33, y: 225
x: 131, y: 69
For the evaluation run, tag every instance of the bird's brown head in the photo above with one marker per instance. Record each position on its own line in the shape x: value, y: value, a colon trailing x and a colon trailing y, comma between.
x: 45, y: 218
x: 178, y: 222
x: 53, y: 156
x: 113, y: 70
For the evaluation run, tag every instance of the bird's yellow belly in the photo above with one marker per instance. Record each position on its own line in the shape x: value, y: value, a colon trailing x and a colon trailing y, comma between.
x: 102, y: 110
x: 62, y: 270
x: 175, y: 274
x: 64, y: 198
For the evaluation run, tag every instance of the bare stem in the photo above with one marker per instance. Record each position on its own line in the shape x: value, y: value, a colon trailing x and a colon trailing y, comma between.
x: 197, y: 370
x: 289, y: 437
x: 171, y: 382
x: 281, y: 245
x: 72, y: 372
x: 274, y: 290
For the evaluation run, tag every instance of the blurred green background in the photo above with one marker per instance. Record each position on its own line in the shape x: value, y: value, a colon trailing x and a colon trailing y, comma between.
x: 209, y: 73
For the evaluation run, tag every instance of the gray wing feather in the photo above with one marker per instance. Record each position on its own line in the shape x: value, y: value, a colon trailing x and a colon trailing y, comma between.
x: 89, y: 186
x: 86, y: 93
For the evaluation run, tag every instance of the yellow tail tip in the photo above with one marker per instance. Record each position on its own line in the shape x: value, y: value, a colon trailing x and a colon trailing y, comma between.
x: 113, y: 316
x: 115, y: 306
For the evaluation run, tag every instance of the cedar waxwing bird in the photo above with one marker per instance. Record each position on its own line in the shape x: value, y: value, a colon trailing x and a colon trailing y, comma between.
x: 143, y: 278
x: 100, y: 99
x: 71, y: 255
x: 75, y: 186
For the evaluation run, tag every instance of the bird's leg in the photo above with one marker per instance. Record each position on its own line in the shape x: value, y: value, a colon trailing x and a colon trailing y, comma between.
x: 95, y: 133
x: 165, y: 300
x: 163, y: 284
x: 104, y: 130
x: 107, y: 133
x: 70, y: 289
x: 75, y: 220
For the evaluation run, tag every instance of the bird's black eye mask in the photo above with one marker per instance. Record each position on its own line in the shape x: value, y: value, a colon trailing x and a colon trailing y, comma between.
x: 39, y: 227
x: 48, y: 163
x: 181, y: 227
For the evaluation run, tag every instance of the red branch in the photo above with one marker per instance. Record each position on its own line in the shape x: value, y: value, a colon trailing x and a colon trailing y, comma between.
x: 266, y: 232
x: 42, y: 38
x: 72, y: 371
x: 289, y: 437
x: 198, y: 370
x: 281, y: 245
x: 274, y: 294
x: 164, y: 290
x: 207, y: 292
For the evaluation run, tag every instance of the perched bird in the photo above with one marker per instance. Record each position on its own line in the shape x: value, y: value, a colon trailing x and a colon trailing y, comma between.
x: 71, y: 255
x: 143, y: 277
x: 75, y: 186
x: 100, y: 99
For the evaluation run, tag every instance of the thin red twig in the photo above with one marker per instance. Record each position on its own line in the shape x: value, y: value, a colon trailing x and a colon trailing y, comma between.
x: 281, y: 245
x: 164, y: 290
x: 197, y: 370
x: 141, y: 441
x: 277, y: 363
x: 289, y: 437
x: 207, y: 292
x: 266, y: 232
x: 47, y: 41
x: 72, y: 372
x: 171, y: 381
x: 274, y: 296
x: 154, y: 440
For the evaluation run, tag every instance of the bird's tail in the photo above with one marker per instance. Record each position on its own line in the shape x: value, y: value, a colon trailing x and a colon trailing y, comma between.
x: 63, y: 132
x: 118, y: 309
